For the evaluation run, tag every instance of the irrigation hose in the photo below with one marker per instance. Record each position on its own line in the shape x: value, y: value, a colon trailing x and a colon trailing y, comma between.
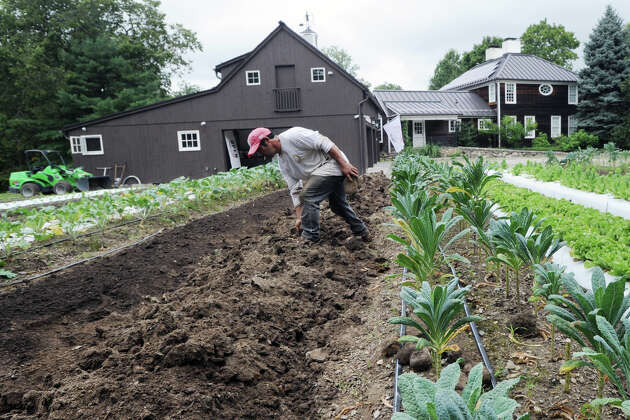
x: 474, y: 330
x: 398, y: 368
x: 65, y: 267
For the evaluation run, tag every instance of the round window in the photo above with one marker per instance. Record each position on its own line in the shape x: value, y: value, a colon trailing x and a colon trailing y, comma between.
x: 545, y: 89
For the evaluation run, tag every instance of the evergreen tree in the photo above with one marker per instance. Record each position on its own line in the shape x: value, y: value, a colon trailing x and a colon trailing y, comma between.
x: 601, y: 107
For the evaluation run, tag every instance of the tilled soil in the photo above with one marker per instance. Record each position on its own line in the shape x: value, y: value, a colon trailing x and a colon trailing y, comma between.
x: 226, y: 317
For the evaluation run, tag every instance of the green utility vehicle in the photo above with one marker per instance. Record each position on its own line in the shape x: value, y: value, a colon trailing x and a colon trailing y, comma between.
x: 47, y: 172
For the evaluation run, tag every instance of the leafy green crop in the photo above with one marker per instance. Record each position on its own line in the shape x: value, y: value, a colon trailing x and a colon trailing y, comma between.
x: 438, y: 310
x: 424, y: 399
x: 596, y: 238
x: 580, y: 176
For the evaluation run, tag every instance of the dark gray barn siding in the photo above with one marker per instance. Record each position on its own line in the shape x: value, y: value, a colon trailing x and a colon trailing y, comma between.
x: 147, y: 140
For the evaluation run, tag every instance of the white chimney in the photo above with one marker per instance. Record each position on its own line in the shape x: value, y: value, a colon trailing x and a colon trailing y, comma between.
x: 493, y: 52
x: 511, y: 45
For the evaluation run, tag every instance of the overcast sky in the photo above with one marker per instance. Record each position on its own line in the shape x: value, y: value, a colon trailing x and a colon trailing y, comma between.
x: 391, y: 41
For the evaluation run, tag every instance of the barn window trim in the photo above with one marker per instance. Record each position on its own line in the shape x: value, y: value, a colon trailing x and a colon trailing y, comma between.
x: 75, y: 145
x: 254, y: 80
x: 556, y: 130
x: 182, y: 142
x: 452, y: 125
x: 574, y: 100
x: 510, y: 93
x: 492, y: 93
x: 84, y: 150
x: 318, y: 78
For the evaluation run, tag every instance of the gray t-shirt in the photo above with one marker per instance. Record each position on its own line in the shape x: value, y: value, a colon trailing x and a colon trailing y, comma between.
x: 305, y: 153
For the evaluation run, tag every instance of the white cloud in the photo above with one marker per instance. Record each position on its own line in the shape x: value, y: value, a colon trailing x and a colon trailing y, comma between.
x: 397, y: 41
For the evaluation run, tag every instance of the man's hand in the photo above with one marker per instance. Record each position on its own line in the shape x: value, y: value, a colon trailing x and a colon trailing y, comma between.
x: 298, y: 224
x: 349, y: 171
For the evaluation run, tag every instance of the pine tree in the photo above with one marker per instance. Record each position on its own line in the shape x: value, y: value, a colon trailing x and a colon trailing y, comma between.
x: 606, y: 55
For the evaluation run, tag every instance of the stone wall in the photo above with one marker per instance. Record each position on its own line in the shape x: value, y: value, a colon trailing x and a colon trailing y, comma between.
x: 473, y: 152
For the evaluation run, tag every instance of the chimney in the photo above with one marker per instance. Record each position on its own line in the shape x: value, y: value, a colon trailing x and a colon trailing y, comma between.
x: 308, y: 34
x: 511, y: 45
x: 493, y: 52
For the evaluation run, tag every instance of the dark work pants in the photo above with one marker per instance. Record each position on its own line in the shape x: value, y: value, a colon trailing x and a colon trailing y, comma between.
x: 318, y: 188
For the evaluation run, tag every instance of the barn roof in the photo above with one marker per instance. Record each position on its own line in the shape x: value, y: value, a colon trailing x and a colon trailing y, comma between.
x: 512, y: 66
x: 243, y: 59
x: 431, y: 102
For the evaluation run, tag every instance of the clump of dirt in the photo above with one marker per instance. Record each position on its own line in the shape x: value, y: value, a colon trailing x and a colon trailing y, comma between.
x: 213, y: 319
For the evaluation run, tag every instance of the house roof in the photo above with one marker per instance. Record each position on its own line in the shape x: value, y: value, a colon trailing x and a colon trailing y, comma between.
x: 243, y: 59
x: 433, y: 102
x: 512, y: 66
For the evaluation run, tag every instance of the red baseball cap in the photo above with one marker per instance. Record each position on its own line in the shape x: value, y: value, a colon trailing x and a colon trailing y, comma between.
x: 255, y: 137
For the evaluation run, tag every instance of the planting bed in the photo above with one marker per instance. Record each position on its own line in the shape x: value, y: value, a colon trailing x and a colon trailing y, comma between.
x: 210, y: 320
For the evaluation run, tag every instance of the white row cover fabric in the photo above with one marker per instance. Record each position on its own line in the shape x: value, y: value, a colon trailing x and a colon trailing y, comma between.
x: 50, y: 199
x: 603, y: 202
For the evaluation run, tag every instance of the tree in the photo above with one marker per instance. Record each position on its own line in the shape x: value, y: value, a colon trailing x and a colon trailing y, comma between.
x: 64, y: 61
x: 344, y: 60
x: 551, y: 42
x: 478, y: 53
x: 388, y: 86
x: 602, y: 107
x: 446, y: 70
x: 453, y: 65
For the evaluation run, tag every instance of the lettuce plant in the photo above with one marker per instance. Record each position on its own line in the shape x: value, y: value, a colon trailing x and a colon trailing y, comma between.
x: 437, y: 310
x: 424, y: 399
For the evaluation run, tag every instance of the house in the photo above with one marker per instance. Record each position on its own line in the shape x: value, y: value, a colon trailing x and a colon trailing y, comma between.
x: 524, y: 87
x: 285, y: 81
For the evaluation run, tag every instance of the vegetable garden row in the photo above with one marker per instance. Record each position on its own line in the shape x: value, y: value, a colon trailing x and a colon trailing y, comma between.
x: 20, y: 229
x: 431, y: 201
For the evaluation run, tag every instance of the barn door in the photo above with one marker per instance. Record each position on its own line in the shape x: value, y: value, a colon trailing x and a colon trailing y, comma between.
x: 285, y: 77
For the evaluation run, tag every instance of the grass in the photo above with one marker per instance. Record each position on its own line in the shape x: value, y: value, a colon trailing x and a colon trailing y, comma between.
x: 7, y: 197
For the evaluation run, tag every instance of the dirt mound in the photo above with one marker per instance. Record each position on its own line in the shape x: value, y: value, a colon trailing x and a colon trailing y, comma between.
x: 210, y: 320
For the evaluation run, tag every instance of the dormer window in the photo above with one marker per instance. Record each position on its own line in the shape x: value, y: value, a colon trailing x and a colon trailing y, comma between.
x: 318, y: 74
x: 510, y: 93
x: 545, y: 89
x: 252, y: 77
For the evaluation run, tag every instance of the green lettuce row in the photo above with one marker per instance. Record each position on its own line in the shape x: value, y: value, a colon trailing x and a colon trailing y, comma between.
x: 596, y: 238
x: 581, y: 177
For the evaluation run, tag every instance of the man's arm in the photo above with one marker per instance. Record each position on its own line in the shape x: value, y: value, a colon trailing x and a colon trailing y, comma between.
x: 298, y: 217
x: 346, y: 167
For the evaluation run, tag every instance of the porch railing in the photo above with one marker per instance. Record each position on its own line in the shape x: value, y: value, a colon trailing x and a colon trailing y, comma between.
x: 287, y: 99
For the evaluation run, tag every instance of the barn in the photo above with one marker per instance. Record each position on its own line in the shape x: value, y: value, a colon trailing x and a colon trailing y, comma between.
x: 285, y: 81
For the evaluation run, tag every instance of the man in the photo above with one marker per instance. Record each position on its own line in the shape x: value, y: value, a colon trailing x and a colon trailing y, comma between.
x: 314, y: 169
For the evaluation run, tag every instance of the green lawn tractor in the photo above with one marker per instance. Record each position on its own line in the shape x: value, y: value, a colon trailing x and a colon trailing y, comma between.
x: 47, y: 172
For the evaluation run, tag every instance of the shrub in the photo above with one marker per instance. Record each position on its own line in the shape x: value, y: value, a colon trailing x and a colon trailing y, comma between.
x: 576, y: 140
x: 541, y: 141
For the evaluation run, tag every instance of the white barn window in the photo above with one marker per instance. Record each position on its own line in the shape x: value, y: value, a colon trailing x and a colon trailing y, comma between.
x: 556, y: 126
x: 92, y: 144
x: 492, y: 92
x: 318, y: 74
x: 188, y: 141
x: 529, y: 119
x: 510, y: 93
x: 75, y: 145
x: 452, y: 126
x: 573, y: 95
x: 252, y: 77
x: 572, y: 124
